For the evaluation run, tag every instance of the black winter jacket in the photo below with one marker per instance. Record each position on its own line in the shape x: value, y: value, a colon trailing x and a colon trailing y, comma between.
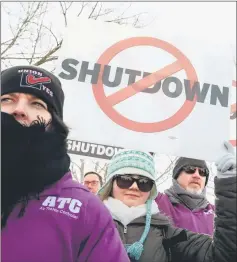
x: 185, y: 246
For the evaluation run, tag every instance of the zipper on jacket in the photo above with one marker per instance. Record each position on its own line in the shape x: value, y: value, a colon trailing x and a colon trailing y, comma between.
x: 125, y: 230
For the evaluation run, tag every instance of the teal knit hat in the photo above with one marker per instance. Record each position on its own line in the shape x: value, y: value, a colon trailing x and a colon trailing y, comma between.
x: 133, y: 162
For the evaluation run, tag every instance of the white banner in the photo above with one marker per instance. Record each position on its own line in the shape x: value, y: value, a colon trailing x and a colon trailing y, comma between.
x: 151, y: 90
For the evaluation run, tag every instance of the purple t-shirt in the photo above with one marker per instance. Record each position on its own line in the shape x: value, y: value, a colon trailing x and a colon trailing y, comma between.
x: 200, y: 221
x: 67, y: 224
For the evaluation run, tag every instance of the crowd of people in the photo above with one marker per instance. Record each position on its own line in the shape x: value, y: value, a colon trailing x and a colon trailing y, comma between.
x: 46, y: 216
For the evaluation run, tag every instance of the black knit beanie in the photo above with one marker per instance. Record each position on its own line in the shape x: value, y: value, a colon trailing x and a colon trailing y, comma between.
x: 36, y: 81
x: 183, y: 161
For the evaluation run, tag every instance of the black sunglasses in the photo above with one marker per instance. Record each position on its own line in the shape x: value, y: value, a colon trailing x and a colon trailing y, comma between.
x: 125, y: 181
x: 191, y: 170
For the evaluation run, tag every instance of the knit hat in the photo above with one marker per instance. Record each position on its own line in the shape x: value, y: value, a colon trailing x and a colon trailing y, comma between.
x: 183, y: 161
x: 133, y: 162
x: 36, y: 81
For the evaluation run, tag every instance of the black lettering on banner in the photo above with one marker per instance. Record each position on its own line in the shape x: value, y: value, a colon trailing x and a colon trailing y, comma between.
x: 132, y: 75
x: 86, y: 71
x: 66, y: 66
x: 166, y: 85
x: 117, y: 79
x: 154, y: 89
x: 92, y: 150
x: 221, y: 96
x: 192, y: 92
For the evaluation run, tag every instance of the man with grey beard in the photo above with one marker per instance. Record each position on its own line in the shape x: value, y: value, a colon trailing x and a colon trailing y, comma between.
x: 185, y: 202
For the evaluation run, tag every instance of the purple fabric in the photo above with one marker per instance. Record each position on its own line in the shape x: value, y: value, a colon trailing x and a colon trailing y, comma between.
x: 67, y: 224
x: 199, y: 221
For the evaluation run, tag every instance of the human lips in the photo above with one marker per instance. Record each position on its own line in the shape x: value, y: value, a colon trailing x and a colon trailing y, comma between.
x: 131, y: 195
x: 195, y: 182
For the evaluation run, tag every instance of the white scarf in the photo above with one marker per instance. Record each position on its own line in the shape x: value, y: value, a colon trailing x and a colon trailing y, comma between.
x: 125, y: 214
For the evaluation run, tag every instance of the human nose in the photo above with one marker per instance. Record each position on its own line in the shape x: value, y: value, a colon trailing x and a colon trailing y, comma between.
x: 88, y: 184
x: 196, y: 173
x: 20, y: 111
x: 134, y: 186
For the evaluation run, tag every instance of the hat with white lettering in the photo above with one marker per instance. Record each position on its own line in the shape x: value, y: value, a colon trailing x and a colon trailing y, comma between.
x: 36, y: 81
x: 132, y: 162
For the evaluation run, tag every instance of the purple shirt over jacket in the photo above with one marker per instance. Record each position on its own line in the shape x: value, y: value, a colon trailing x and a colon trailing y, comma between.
x: 199, y: 221
x: 67, y: 224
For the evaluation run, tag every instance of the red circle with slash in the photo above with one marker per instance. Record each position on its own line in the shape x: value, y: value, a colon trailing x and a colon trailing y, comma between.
x: 106, y: 103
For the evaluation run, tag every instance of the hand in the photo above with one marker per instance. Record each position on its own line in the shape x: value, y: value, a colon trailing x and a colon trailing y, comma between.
x: 227, y: 163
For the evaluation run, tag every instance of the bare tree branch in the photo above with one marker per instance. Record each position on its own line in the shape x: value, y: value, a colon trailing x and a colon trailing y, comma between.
x: 64, y: 13
x: 22, y: 26
x: 31, y: 26
x: 26, y: 58
x: 50, y: 30
x: 146, y: 25
x: 93, y: 9
x: 125, y: 10
x: 122, y: 20
x: 100, y: 13
x: 83, y: 5
x: 103, y: 169
x: 6, y: 42
x: 78, y: 170
x: 167, y: 170
x: 46, y: 57
x: 36, y: 43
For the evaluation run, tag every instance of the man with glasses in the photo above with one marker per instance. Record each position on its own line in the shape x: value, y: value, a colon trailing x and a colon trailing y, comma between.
x: 93, y: 181
x: 185, y: 201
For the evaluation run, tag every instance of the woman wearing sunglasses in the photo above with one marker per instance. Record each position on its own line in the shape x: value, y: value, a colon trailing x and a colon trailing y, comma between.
x: 129, y: 193
x: 185, y: 201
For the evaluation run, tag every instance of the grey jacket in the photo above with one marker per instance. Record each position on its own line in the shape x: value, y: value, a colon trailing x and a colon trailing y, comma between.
x: 186, y: 246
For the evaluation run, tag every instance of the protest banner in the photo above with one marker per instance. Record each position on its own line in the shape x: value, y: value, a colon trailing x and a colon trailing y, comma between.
x: 153, y: 91
x: 91, y: 149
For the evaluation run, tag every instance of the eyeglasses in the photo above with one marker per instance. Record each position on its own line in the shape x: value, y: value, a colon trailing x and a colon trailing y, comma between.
x: 125, y: 181
x: 93, y: 183
x: 191, y: 170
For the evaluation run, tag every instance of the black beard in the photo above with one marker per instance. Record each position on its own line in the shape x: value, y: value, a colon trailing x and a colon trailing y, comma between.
x: 32, y: 159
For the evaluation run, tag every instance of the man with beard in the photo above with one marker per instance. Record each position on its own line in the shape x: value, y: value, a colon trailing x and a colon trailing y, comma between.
x: 45, y: 216
x: 185, y: 201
